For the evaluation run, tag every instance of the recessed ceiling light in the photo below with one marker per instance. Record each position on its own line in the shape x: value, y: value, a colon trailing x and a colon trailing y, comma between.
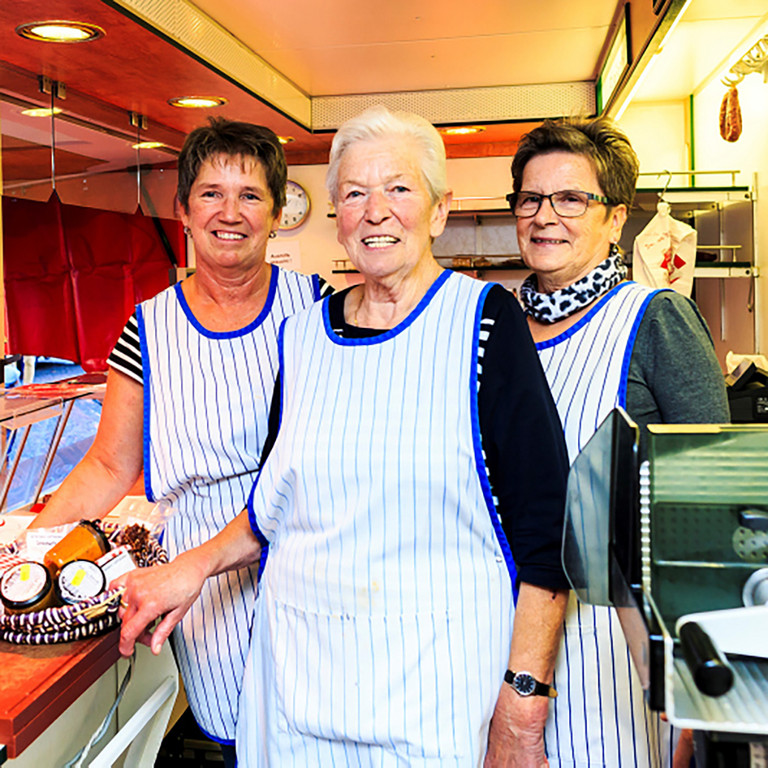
x: 197, y: 102
x: 463, y: 130
x: 148, y: 145
x: 41, y: 111
x: 285, y: 139
x: 60, y: 31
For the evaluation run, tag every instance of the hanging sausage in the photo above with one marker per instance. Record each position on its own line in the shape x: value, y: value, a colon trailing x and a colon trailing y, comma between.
x: 730, y: 115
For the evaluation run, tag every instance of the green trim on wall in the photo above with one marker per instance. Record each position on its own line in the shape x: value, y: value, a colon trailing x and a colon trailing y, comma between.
x: 691, y: 140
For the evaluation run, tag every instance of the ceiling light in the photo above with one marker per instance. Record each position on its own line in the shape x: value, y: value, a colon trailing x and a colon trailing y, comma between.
x: 60, y: 31
x: 285, y: 139
x: 463, y: 130
x: 41, y: 111
x: 197, y: 102
x: 148, y: 145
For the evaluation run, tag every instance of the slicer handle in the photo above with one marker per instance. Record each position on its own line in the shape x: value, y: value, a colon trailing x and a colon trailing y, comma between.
x: 711, y: 672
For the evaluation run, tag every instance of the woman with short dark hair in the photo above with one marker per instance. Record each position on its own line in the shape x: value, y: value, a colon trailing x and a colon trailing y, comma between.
x: 188, y: 395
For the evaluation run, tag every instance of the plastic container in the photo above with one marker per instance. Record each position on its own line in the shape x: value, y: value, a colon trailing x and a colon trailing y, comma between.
x: 86, y: 541
x: 80, y: 580
x: 27, y: 587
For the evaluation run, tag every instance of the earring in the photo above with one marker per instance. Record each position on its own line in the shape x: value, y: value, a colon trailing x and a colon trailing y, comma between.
x: 187, y: 231
x: 272, y: 235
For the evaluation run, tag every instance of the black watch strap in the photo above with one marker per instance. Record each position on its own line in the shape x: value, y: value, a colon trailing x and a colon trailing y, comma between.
x: 526, y: 684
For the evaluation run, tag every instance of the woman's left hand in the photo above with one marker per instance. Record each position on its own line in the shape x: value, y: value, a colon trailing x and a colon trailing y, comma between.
x: 516, y: 735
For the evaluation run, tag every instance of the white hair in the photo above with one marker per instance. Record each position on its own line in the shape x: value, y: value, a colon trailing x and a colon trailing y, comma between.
x: 379, y: 123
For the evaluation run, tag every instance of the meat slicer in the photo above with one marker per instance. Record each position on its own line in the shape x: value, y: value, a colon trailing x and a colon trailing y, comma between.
x: 678, y: 543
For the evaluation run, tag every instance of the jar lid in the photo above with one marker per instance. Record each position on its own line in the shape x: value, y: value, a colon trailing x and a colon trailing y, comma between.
x: 79, y: 580
x: 24, y: 585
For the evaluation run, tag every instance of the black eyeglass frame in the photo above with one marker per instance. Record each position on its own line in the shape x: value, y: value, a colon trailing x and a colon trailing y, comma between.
x: 511, y: 198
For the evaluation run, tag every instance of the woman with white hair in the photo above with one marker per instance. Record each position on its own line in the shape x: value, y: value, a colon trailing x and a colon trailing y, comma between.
x: 410, y: 606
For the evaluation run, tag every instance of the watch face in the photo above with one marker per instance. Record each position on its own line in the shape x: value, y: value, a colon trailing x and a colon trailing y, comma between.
x: 296, y: 207
x: 524, y: 683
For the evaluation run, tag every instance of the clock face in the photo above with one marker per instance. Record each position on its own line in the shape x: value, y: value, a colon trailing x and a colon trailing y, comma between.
x: 296, y: 207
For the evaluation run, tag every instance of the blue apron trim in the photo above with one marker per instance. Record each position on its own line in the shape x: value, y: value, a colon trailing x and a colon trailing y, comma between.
x: 392, y: 332
x: 251, y: 513
x: 624, y: 379
x: 217, y: 739
x: 482, y: 469
x: 262, y: 316
x: 147, y: 377
x: 584, y: 320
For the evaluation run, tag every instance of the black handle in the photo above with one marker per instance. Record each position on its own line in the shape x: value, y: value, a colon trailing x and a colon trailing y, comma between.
x: 711, y: 672
x: 754, y: 519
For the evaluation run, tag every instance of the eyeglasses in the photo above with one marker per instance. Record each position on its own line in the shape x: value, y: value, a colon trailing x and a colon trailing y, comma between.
x: 567, y: 203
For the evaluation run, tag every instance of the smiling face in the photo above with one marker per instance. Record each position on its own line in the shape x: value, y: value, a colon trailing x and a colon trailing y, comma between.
x: 563, y: 250
x: 385, y: 217
x: 230, y: 213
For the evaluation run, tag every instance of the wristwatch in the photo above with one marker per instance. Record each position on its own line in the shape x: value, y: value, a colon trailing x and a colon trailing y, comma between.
x: 526, y: 684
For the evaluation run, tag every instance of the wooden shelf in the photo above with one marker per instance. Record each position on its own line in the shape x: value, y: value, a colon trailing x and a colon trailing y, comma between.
x: 691, y: 198
x: 468, y: 213
x: 479, y: 268
x: 725, y: 269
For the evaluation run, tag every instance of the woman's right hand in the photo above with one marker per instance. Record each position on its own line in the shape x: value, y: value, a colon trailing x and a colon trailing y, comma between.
x: 166, y: 592
x: 163, y: 592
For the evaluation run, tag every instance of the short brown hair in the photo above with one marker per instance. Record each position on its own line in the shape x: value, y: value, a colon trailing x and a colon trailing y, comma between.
x: 233, y: 139
x: 599, y: 140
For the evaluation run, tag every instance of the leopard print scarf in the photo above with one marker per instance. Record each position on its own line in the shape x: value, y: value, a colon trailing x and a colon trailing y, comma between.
x: 551, y: 307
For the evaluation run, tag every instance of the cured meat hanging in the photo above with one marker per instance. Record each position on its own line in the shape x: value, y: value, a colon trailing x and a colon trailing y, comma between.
x: 730, y: 115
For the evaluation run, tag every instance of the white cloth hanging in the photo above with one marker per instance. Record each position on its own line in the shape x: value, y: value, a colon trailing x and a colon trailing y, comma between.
x: 664, y: 253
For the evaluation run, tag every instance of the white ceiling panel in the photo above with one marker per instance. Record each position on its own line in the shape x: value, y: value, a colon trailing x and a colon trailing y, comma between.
x: 348, y: 46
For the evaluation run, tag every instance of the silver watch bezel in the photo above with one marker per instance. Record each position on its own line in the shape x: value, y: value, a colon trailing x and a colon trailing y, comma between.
x: 527, y: 679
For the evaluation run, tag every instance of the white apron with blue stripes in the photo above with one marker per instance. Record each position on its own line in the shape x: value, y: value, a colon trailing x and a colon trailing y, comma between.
x: 206, y: 406
x: 600, y: 717
x: 384, y: 618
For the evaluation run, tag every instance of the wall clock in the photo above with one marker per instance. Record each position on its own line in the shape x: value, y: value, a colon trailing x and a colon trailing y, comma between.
x: 296, y: 207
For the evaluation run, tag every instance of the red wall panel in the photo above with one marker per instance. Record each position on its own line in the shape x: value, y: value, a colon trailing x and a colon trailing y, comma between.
x: 74, y: 274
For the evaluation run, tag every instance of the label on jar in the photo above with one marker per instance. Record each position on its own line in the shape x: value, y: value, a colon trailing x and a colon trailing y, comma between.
x: 79, y: 580
x: 23, y: 582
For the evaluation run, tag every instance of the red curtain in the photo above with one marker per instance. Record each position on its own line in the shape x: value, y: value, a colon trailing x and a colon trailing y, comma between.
x: 74, y: 274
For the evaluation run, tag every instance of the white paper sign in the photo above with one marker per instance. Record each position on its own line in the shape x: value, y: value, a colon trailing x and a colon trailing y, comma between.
x: 284, y: 253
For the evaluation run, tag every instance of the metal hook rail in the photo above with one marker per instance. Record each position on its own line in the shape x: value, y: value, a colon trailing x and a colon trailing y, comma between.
x: 690, y: 173
x: 754, y: 60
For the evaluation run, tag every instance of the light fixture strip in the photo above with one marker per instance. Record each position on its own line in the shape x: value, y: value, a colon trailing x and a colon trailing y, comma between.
x: 193, y: 30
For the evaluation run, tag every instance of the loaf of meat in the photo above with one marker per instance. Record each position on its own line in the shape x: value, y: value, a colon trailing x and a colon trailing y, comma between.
x: 730, y: 116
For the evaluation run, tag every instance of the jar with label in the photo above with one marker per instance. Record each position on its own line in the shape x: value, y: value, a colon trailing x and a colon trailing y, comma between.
x: 27, y: 587
x: 86, y: 541
x: 80, y: 580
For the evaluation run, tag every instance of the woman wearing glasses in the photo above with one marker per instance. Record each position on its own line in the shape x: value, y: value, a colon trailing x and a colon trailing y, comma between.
x: 603, y: 341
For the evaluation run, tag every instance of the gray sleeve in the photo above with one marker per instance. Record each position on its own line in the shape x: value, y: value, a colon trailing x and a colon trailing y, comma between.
x: 674, y: 376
